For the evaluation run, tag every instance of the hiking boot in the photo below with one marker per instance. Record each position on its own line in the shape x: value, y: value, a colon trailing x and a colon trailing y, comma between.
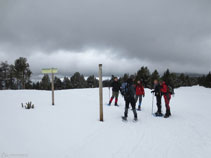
x: 135, y: 113
x: 124, y: 118
x: 139, y: 108
x: 109, y: 103
x: 135, y: 119
x: 126, y: 112
x: 158, y: 114
x: 168, y: 113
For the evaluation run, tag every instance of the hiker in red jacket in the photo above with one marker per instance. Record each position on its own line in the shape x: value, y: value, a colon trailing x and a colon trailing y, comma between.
x: 139, y: 93
x: 167, y: 97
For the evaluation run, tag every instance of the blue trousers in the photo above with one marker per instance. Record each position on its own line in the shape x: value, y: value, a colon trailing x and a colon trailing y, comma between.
x: 139, y: 97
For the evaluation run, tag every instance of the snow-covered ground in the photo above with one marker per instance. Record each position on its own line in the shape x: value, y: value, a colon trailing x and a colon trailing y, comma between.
x: 71, y: 129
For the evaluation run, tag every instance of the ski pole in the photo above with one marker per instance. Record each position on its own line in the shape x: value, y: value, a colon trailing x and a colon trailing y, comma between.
x: 109, y: 92
x: 152, y: 102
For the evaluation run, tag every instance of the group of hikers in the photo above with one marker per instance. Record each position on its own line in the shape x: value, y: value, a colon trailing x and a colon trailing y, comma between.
x: 133, y: 92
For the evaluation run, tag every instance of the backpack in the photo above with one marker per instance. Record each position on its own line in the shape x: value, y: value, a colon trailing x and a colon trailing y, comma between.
x: 124, y: 88
x: 170, y: 90
x: 126, y: 91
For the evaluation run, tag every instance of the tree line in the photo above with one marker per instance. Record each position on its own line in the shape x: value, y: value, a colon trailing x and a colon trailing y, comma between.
x: 18, y: 76
x: 76, y: 81
x: 15, y: 76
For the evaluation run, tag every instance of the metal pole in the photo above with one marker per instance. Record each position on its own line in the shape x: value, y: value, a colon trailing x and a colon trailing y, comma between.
x: 52, y: 86
x: 109, y: 93
x: 152, y: 102
x: 101, y: 92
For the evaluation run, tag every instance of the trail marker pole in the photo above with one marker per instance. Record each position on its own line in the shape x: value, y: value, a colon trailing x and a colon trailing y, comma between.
x: 101, y: 92
x: 52, y: 88
x: 51, y: 71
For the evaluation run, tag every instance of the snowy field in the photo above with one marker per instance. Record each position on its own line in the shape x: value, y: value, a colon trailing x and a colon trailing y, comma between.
x: 71, y: 129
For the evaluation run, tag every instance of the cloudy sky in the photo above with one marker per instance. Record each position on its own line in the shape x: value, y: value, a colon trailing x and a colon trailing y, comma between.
x: 123, y: 35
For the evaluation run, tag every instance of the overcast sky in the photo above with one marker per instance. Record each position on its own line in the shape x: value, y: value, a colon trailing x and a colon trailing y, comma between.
x: 123, y: 35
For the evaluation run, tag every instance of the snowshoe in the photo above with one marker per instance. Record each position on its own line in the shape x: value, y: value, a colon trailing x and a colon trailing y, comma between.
x: 158, y: 114
x: 135, y: 119
x: 124, y: 118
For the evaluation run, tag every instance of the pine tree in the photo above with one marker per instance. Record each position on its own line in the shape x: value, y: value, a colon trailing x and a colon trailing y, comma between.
x: 201, y: 80
x: 22, y: 71
x: 182, y: 81
x: 124, y: 78
x: 92, y: 82
x: 167, y: 77
x: 4, y: 75
x: 106, y: 83
x: 144, y: 75
x: 207, y: 82
x: 170, y: 78
x: 155, y: 76
x: 7, y: 79
x: 36, y: 85
x: 11, y: 77
x: 1, y: 78
x: 45, y: 83
x: 66, y: 83
x: 58, y: 83
x: 78, y: 81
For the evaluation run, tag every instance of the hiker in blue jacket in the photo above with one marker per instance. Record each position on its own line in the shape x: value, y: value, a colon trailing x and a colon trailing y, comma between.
x: 129, y: 94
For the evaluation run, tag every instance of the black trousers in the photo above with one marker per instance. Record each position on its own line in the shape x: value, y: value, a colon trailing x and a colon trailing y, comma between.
x: 133, y: 104
x: 158, y: 98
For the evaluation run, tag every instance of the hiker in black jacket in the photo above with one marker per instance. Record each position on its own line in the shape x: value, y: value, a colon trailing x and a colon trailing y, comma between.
x: 115, y: 91
x: 157, y: 92
x: 129, y: 97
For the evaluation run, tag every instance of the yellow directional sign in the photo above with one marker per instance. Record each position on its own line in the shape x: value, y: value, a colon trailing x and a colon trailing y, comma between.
x: 49, y: 71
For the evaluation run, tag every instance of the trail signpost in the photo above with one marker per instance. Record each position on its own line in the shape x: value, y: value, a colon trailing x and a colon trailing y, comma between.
x: 51, y: 71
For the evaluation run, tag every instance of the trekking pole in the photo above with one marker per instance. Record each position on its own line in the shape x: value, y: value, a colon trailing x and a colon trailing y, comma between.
x: 109, y: 92
x: 152, y: 102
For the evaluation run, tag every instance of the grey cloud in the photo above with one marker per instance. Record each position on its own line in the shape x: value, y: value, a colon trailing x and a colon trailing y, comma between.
x: 164, y: 33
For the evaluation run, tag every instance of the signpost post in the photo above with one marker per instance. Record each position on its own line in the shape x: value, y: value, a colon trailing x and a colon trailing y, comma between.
x: 51, y: 71
x: 101, y: 92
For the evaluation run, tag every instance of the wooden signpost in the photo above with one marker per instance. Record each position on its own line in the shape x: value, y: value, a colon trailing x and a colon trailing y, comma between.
x: 51, y: 71
x: 101, y: 92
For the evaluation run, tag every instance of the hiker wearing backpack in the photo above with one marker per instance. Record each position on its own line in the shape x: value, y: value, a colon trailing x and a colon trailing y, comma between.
x: 139, y: 93
x: 165, y: 90
x: 115, y: 91
x: 129, y: 96
x: 157, y: 93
